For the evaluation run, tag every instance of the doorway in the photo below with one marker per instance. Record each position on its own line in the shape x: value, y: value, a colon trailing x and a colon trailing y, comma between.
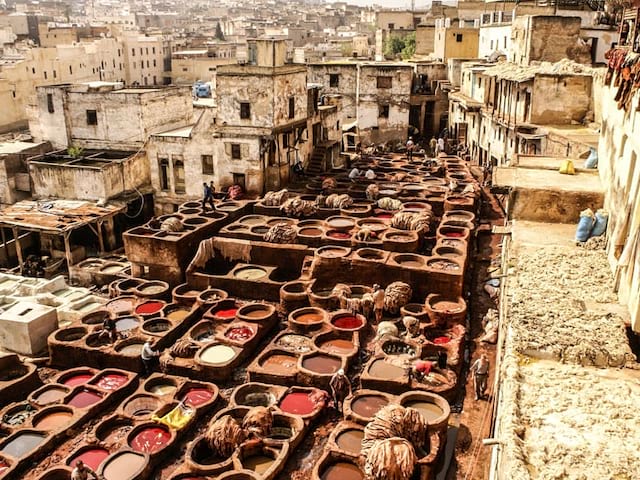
x: 239, y: 179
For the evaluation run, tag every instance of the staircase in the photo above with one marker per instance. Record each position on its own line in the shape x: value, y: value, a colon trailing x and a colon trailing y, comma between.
x: 316, y: 161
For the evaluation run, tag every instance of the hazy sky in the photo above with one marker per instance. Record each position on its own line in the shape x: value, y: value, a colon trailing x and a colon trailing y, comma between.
x: 390, y: 3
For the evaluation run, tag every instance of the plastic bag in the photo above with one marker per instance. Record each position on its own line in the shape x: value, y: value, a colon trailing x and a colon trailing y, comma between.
x: 600, y: 225
x: 585, y: 225
x: 566, y: 168
x: 592, y: 159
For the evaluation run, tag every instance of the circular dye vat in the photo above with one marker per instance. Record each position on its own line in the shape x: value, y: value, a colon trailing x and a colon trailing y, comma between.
x: 342, y: 471
x: 297, y: 403
x: 446, y: 306
x: 310, y: 232
x: 178, y: 315
x: 384, y: 215
x: 163, y: 389
x: 84, y: 399
x: 430, y: 411
x: 3, y: 466
x: 351, y: 440
x: 195, y: 397
x: 111, y: 381
x: 217, y: 354
x: 383, y: 369
x: 309, y: 318
x: 22, y: 444
x: 257, y: 463
x: 250, y: 273
x: 368, y: 405
x: 150, y: 440
x: 50, y: 395
x: 280, y: 363
x: 149, y: 308
x: 16, y: 416
x: 54, y: 420
x: 157, y: 325
x: 296, y: 343
x: 239, y: 334
x: 339, y: 346
x: 123, y: 465
x: 441, y: 340
x: 152, y: 289
x: 225, y: 312
x: 340, y: 223
x: 126, y: 324
x: 443, y: 264
x: 348, y: 322
x: 93, y: 457
x: 142, y: 406
x: 78, y: 379
x: 254, y: 311
x: 133, y: 349
x: 338, y: 235
x: 120, y: 306
x: 410, y: 261
x: 116, y: 432
x: 322, y: 364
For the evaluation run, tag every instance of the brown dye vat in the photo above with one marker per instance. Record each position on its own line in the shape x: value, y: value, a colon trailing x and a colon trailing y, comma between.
x: 308, y: 318
x: 254, y: 311
x: 295, y: 343
x: 443, y: 264
x: 411, y: 261
x: 280, y: 363
x: 123, y: 465
x: 383, y: 369
x: 178, y: 314
x: 350, y: 440
x: 258, y: 463
x: 368, y: 405
x: 121, y: 305
x: 114, y: 431
x: 430, y: 411
x: 23, y: 443
x: 342, y: 471
x: 311, y: 232
x: 141, y: 406
x: 337, y: 346
x: 50, y: 395
x: 322, y: 364
x: 53, y: 420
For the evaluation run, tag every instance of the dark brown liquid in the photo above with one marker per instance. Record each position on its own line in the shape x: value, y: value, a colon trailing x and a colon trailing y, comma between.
x: 342, y: 471
x: 382, y: 369
x: 351, y: 440
x: 368, y: 405
x: 322, y: 364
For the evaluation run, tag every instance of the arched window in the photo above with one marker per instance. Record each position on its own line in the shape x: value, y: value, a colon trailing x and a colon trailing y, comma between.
x: 164, y: 174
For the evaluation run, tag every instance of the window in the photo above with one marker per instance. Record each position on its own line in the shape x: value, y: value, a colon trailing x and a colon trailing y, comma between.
x: 178, y: 173
x: 147, y: 50
x: 459, y: 37
x: 153, y: 49
x: 212, y: 69
x: 185, y: 69
x: 55, y: 74
x: 383, y: 111
x: 383, y: 82
x: 141, y: 51
x: 391, y: 26
x: 292, y: 107
x: 45, y: 75
x: 118, y: 52
x: 207, y: 164
x: 70, y: 70
x: 245, y: 110
x: 50, y: 103
x: 236, y: 152
x: 285, y: 140
x: 133, y: 52
x: 92, y: 117
x: 334, y: 80
x: 164, y: 174
x: 154, y: 62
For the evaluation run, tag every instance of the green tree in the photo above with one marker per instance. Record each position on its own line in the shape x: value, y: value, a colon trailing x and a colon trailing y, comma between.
x: 404, y: 46
x: 219, y: 34
x: 409, y: 49
x: 75, y: 152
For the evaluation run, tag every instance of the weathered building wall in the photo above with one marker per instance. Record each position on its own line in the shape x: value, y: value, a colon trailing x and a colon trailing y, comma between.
x: 455, y: 42
x: 346, y: 76
x: 560, y: 99
x: 618, y: 154
x: 144, y: 56
x: 425, y: 39
x: 14, y: 176
x: 547, y: 38
x: 494, y: 38
x: 394, y: 20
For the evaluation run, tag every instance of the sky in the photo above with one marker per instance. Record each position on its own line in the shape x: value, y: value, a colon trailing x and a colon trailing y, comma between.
x: 390, y: 3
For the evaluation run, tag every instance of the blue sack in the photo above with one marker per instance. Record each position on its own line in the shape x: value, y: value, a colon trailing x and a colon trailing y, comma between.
x: 592, y: 160
x: 585, y: 225
x: 600, y: 225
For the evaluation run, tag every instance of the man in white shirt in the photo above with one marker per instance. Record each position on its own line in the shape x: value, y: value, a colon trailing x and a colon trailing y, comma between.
x: 480, y: 371
x: 148, y: 356
x: 370, y: 175
x: 354, y: 174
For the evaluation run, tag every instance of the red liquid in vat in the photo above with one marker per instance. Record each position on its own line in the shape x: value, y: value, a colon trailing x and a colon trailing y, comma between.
x: 3, y: 466
x: 441, y: 340
x: 454, y: 234
x: 297, y: 403
x: 92, y: 457
x: 149, y: 307
x: 384, y: 215
x: 84, y: 399
x: 226, y: 313
x: 197, y: 396
x: 239, y: 333
x: 112, y: 381
x: 150, y: 440
x: 339, y: 235
x: 79, y: 379
x: 349, y: 322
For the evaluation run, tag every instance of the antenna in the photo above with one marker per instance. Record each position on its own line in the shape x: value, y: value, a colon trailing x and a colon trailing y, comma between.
x: 413, y: 5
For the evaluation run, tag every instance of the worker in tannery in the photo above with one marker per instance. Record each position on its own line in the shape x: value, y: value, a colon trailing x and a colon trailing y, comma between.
x: 378, y: 302
x: 82, y: 472
x: 480, y: 371
x: 340, y: 388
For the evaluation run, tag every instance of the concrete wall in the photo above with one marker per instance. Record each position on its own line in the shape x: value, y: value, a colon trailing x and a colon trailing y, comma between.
x: 619, y: 166
x: 547, y: 38
x: 494, y: 38
x: 446, y: 44
x: 399, y: 19
x: 425, y: 39
x: 560, y: 99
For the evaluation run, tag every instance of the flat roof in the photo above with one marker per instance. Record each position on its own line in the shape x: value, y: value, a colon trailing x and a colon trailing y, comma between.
x: 182, y: 132
x: 57, y: 216
x: 535, y: 178
x: 7, y: 148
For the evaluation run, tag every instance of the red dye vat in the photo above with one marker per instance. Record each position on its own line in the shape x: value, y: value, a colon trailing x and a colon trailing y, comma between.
x: 149, y: 308
x: 112, y: 381
x: 197, y: 396
x: 340, y: 235
x: 297, y: 403
x: 239, y: 333
x: 226, y: 312
x: 384, y: 215
x: 441, y: 340
x: 454, y: 234
x: 84, y: 398
x: 79, y: 379
x: 348, y: 322
x: 3, y: 466
x: 150, y: 440
x: 92, y: 457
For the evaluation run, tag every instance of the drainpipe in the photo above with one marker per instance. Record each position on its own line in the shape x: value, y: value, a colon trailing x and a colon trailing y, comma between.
x: 358, y: 100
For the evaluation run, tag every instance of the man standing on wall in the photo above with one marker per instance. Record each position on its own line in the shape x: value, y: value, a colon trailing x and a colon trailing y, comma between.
x: 207, y: 196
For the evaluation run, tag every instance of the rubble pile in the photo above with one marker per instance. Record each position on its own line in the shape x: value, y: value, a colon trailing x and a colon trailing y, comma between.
x: 547, y: 313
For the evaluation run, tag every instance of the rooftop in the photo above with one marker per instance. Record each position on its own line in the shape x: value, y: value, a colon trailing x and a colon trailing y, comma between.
x: 8, y: 148
x: 520, y: 73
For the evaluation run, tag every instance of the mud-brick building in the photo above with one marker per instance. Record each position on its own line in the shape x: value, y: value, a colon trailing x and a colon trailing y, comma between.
x: 619, y: 165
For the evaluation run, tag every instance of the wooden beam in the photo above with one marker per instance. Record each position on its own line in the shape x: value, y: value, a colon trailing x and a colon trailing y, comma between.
x: 99, y: 233
x: 16, y: 237
x: 67, y: 249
